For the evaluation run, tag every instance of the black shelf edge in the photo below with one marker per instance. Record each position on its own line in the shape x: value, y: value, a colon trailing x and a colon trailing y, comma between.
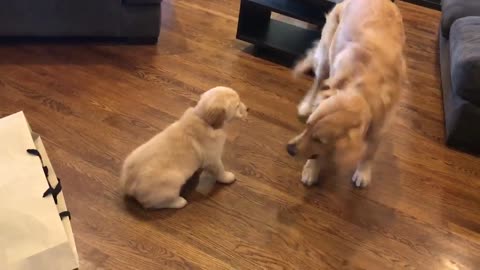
x: 300, y: 9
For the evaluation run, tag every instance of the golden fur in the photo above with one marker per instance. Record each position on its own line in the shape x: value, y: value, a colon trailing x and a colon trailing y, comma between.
x: 360, y: 70
x: 155, y: 172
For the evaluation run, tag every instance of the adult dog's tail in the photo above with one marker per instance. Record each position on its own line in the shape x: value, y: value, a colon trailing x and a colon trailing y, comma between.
x: 304, y: 65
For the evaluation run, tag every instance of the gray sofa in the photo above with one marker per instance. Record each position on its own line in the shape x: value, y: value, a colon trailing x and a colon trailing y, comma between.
x: 133, y: 20
x: 459, y: 39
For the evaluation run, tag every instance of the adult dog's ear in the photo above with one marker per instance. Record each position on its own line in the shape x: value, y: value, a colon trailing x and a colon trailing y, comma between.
x: 335, y: 125
x: 215, y: 117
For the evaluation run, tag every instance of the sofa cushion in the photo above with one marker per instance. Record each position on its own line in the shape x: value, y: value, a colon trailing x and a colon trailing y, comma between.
x: 456, y: 9
x: 62, y: 19
x: 465, y: 58
x: 142, y: 2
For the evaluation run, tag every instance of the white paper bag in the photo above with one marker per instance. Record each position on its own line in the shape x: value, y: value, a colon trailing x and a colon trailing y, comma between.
x: 32, y: 233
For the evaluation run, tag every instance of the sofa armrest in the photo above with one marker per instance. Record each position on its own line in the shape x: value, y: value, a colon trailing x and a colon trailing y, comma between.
x: 455, y: 9
x: 465, y: 58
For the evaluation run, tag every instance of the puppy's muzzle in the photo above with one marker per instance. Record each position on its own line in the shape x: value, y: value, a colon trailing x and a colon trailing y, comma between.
x: 292, y: 149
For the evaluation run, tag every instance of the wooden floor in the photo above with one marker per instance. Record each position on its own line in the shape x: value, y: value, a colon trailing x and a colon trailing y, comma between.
x: 94, y: 104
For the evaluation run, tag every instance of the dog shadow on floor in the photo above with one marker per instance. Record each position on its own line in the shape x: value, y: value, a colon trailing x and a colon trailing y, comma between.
x: 199, y: 187
x: 341, y: 210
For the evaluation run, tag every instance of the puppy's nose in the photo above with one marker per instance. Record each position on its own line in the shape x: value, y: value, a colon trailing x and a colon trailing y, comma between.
x: 248, y: 109
x: 292, y: 149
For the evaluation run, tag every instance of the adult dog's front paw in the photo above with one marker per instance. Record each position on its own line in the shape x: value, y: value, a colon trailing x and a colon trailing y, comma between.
x: 227, y: 178
x: 310, y: 173
x: 304, y: 110
x: 362, y: 177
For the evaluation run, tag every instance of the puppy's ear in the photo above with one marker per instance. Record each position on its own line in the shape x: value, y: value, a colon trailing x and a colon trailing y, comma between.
x: 215, y: 117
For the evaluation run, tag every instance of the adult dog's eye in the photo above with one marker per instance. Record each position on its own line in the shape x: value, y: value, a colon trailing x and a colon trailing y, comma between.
x: 320, y: 141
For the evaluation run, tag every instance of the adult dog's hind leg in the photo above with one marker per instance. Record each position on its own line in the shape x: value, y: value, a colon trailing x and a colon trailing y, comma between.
x: 319, y: 60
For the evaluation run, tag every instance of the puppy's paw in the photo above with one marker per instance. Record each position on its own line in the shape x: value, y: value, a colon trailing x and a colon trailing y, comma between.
x: 361, y: 178
x: 179, y: 202
x: 228, y: 178
x: 174, y: 203
x: 309, y: 173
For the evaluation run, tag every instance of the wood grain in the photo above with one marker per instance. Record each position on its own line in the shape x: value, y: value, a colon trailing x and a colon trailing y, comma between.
x: 93, y: 104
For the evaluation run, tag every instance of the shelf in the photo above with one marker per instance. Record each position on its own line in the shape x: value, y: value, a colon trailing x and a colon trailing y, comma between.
x: 433, y: 4
x: 308, y: 11
x: 281, y: 36
x: 256, y: 26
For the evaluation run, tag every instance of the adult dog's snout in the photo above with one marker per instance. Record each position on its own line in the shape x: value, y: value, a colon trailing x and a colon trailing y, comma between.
x: 292, y: 149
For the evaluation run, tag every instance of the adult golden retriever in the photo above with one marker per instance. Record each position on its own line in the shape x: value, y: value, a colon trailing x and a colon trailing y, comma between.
x: 360, y: 71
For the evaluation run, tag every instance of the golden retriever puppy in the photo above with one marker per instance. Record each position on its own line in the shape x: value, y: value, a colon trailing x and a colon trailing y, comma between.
x: 360, y: 71
x: 155, y: 172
